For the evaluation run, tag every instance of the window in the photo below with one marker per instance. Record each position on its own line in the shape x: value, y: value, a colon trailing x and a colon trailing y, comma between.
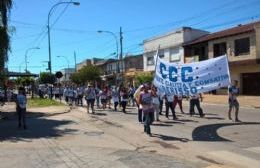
x: 174, y: 54
x: 150, y: 60
x: 220, y: 49
x: 161, y: 53
x: 242, y: 46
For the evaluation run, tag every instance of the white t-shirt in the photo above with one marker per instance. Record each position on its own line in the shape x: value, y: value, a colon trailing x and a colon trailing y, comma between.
x: 21, y: 99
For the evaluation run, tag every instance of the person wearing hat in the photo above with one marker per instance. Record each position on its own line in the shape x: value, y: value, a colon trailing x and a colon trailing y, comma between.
x: 90, y: 97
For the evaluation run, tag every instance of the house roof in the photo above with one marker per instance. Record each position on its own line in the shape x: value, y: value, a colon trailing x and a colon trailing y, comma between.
x: 225, y: 33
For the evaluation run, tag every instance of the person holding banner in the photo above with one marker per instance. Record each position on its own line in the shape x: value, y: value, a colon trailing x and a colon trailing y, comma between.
x: 233, y: 92
x: 194, y: 101
x: 169, y: 105
x: 145, y: 99
x: 139, y: 106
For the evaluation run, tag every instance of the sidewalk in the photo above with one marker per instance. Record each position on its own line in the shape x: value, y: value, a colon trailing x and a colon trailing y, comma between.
x: 244, y: 101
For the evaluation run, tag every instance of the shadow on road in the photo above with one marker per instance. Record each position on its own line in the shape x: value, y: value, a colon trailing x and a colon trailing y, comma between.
x: 38, y: 127
x: 170, y: 138
x: 209, y: 132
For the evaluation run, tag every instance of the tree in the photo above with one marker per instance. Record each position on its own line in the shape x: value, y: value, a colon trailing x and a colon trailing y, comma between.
x: 77, y: 79
x: 86, y: 74
x: 5, y: 6
x: 144, y: 78
x: 47, y: 78
x: 24, y: 81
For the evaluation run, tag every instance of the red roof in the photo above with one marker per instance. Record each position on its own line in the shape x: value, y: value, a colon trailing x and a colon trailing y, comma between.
x: 224, y: 33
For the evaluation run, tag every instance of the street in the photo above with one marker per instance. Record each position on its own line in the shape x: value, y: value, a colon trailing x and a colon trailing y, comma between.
x: 58, y: 137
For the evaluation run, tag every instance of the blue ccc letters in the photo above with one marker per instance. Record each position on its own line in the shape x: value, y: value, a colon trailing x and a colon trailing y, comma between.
x: 173, y: 71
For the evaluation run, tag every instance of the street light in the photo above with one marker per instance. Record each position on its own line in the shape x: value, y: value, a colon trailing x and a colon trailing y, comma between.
x: 26, y: 57
x: 48, y: 27
x: 115, y: 37
x: 21, y: 66
x: 59, y: 56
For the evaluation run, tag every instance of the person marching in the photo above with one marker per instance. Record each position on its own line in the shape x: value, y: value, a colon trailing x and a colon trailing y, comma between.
x: 233, y: 92
x: 103, y: 97
x: 90, y: 98
x: 178, y: 100
x: 156, y: 102
x: 194, y: 101
x: 145, y: 100
x: 124, y: 99
x: 169, y: 105
x: 115, y: 97
x: 139, y: 106
x: 21, y: 102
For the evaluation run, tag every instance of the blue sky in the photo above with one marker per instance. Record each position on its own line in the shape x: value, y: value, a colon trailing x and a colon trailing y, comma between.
x: 74, y: 28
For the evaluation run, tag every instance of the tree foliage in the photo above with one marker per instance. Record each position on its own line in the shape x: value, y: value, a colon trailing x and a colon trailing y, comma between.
x: 5, y: 6
x: 47, y: 78
x: 86, y: 74
x: 24, y: 81
x: 144, y: 78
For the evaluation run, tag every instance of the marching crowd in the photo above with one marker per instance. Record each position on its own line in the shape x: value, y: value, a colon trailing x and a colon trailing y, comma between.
x: 148, y: 100
x: 146, y: 97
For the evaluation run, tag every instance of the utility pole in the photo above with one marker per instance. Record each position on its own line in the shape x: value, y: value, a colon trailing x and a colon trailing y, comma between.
x: 75, y: 59
x: 121, y: 52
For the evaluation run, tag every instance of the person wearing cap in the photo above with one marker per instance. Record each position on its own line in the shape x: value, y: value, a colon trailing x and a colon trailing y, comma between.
x: 145, y: 100
x: 90, y: 98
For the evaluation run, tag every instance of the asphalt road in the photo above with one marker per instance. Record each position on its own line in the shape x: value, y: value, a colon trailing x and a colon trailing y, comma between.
x: 60, y: 138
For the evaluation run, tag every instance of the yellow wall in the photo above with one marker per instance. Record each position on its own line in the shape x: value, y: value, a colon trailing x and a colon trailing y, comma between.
x: 230, y: 44
x: 257, y: 30
x: 236, y: 72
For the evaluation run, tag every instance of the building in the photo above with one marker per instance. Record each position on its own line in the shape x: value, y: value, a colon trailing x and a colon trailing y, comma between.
x: 67, y: 72
x: 242, y: 46
x: 88, y: 62
x: 133, y: 66
x: 171, y: 46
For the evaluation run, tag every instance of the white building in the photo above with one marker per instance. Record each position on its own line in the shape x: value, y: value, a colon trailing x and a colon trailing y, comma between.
x: 67, y: 72
x: 170, y: 46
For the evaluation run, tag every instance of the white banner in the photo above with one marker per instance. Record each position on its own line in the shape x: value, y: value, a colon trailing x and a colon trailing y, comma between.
x: 192, y: 78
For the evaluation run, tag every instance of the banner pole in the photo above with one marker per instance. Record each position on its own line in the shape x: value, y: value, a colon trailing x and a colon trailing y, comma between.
x: 157, y: 55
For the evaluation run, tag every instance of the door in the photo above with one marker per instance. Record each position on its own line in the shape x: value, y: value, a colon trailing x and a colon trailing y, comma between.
x: 251, y: 83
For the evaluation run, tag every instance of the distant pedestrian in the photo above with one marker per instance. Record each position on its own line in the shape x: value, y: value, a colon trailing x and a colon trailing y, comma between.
x: 21, y: 102
x: 124, y: 99
x: 115, y: 97
x: 109, y: 97
x: 98, y: 92
x: 233, y: 92
x: 194, y: 101
x: 131, y: 93
x: 80, y: 91
x: 90, y: 98
x: 103, y: 98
